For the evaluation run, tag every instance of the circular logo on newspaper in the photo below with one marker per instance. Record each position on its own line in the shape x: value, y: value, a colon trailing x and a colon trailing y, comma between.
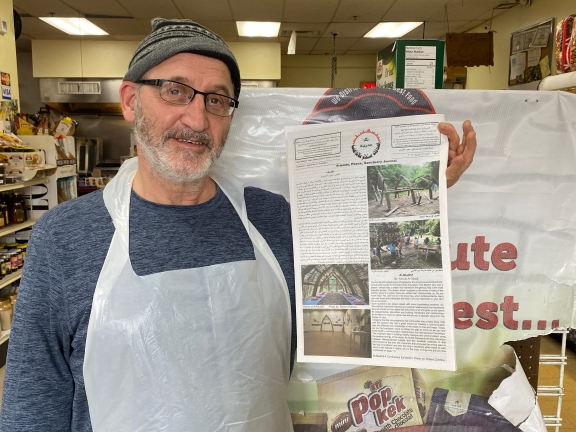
x: 366, y: 144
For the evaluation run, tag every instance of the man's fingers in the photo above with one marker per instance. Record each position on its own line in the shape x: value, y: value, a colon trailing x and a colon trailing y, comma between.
x: 450, y: 132
x: 462, y: 154
x: 455, y: 170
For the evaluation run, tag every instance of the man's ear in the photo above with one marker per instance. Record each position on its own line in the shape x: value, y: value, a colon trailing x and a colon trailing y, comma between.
x: 128, y: 99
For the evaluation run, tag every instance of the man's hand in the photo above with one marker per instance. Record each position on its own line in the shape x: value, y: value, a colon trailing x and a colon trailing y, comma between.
x: 460, y: 154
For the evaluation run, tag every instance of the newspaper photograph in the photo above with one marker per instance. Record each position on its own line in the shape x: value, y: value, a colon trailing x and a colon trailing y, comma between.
x: 369, y: 221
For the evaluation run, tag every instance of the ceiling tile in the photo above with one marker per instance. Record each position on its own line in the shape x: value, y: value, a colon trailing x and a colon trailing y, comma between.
x: 33, y: 25
x: 120, y: 26
x: 45, y: 8
x: 20, y: 11
x: 434, y: 30
x: 205, y: 10
x: 465, y: 10
x: 415, y: 10
x: 469, y: 25
x: 304, y: 30
x: 327, y: 44
x: 149, y: 9
x: 309, y: 10
x: 257, y: 10
x: 223, y: 29
x: 100, y: 7
x: 364, y: 10
x: 348, y: 29
x: 371, y: 44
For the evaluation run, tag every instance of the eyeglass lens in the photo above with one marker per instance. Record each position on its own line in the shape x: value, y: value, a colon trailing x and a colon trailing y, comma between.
x: 181, y: 94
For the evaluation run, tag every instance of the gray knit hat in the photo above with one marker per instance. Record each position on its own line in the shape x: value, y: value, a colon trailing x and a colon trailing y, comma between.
x: 170, y: 37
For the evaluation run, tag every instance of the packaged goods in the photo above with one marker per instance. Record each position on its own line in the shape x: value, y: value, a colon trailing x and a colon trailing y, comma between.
x: 5, y: 314
x: 461, y: 410
x: 566, y: 45
x: 372, y: 399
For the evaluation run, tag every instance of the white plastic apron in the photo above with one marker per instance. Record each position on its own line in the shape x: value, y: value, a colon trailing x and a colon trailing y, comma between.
x: 203, y: 349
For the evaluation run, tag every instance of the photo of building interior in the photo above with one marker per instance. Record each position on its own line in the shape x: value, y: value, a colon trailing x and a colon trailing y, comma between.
x: 335, y: 284
x: 337, y: 332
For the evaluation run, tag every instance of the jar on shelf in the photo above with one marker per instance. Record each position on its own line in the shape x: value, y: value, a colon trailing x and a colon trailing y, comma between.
x: 4, y: 215
x: 2, y: 267
x: 17, y: 215
x: 13, y: 260
x: 24, y: 247
x: 5, y: 314
x: 18, y: 212
x: 19, y: 261
x: 7, y: 263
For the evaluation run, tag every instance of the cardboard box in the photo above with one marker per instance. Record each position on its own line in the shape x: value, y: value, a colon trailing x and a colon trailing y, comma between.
x: 411, y: 64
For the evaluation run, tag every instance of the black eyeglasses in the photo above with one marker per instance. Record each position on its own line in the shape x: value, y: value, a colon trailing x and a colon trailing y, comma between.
x: 182, y: 94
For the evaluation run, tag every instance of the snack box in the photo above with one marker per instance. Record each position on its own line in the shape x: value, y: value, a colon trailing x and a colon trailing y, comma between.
x: 17, y: 161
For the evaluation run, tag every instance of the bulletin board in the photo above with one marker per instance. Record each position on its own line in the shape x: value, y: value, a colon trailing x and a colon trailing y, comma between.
x: 531, y: 52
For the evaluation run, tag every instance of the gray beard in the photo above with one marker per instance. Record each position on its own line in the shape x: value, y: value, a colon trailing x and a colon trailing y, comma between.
x: 152, y: 149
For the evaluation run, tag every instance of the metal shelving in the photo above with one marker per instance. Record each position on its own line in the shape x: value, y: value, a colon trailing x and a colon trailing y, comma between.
x: 555, y: 421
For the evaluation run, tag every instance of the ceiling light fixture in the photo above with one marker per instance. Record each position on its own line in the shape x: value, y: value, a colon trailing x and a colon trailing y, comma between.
x: 392, y: 29
x: 75, y: 26
x: 258, y: 29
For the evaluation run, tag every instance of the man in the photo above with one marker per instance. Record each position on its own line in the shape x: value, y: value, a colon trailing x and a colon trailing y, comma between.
x: 133, y: 312
x: 393, y: 251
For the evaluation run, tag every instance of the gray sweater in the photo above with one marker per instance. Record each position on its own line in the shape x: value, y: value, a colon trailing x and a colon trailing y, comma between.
x: 44, y: 384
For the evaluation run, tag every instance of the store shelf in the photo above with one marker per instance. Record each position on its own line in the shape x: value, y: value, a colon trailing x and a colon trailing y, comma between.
x: 21, y: 185
x: 4, y: 336
x: 12, y: 277
x: 66, y: 171
x: 44, y: 167
x: 16, y: 227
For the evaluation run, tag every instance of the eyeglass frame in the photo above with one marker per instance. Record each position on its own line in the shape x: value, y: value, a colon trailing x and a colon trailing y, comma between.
x: 159, y: 82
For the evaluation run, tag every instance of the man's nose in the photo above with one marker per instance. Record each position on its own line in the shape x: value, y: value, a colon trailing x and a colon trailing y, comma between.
x: 195, y: 115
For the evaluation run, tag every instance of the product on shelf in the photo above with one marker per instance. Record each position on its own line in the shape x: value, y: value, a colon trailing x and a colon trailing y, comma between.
x: 18, y: 212
x: 5, y: 314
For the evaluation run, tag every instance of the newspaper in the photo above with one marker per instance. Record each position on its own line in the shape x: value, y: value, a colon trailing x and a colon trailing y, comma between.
x: 369, y: 221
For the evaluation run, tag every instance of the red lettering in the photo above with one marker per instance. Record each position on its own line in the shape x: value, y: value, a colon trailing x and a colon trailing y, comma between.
x: 380, y: 417
x: 488, y: 319
x: 374, y: 400
x: 463, y: 310
x: 399, y: 401
x: 375, y: 386
x: 386, y: 394
x: 479, y: 247
x: 358, y: 407
x: 504, y: 251
x: 509, y: 307
x: 391, y: 411
x: 461, y: 262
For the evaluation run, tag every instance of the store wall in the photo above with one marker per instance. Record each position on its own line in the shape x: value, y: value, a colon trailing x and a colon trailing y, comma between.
x: 315, y: 71
x: 517, y: 18
x: 8, y: 48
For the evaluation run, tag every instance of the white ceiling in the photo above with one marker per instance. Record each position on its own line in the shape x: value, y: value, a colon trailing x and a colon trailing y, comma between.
x: 316, y: 19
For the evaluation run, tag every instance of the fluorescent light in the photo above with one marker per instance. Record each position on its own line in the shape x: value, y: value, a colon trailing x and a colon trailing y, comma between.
x: 74, y: 26
x: 258, y: 29
x: 392, y: 29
